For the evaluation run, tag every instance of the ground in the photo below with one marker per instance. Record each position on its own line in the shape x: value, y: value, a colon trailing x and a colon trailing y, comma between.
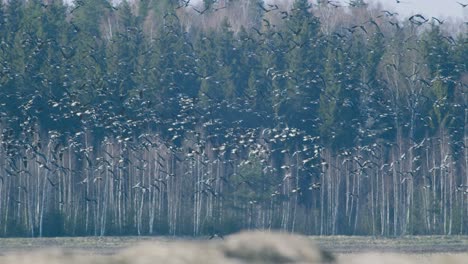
x: 346, y: 249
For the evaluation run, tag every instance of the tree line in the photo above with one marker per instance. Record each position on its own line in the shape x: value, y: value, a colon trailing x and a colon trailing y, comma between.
x: 164, y: 117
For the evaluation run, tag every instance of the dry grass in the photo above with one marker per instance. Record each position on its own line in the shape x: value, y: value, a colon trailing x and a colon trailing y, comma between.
x: 395, y: 258
x: 408, y: 244
x: 253, y: 247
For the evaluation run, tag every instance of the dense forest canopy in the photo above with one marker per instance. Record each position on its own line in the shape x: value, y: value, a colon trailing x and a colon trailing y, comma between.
x: 162, y: 117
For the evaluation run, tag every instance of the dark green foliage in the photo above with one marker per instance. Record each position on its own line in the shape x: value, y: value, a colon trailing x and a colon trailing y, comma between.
x: 129, y: 120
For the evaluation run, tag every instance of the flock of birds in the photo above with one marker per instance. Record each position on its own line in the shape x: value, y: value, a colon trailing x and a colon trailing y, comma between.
x: 198, y: 136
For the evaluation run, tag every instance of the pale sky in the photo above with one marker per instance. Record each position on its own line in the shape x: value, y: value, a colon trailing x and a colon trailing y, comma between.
x: 436, y: 8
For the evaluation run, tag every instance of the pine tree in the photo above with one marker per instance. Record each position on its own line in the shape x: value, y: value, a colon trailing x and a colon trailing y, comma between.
x: 124, y: 50
x: 340, y: 99
x: 87, y: 20
x: 3, y: 46
x: 14, y: 57
x: 228, y: 60
x: 442, y: 70
x: 302, y: 88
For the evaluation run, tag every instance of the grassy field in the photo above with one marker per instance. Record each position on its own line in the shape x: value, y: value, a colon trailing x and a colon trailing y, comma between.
x: 92, y: 245
x: 410, y: 244
x: 334, y: 244
x: 346, y: 249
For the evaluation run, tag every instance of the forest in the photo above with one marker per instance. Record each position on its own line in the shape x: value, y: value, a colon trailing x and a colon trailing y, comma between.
x: 159, y: 117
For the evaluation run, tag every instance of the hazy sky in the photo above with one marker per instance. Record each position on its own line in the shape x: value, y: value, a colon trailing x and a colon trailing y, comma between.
x: 436, y: 8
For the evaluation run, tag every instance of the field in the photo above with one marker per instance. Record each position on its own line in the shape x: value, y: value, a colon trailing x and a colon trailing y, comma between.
x: 409, y: 244
x: 346, y: 249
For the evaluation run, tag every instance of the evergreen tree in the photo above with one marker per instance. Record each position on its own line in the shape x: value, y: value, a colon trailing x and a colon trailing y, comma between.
x: 227, y: 57
x: 302, y: 88
x: 86, y: 23
x: 13, y: 43
x: 442, y: 73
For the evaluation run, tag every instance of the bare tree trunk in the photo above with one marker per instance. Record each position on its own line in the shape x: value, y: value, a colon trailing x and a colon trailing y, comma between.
x: 337, y: 188
x: 396, y: 183
x: 372, y: 197
x: 443, y: 179
x: 427, y: 193
x: 464, y: 208
x: 357, y: 194
x: 322, y: 204
x: 434, y: 189
x: 42, y: 206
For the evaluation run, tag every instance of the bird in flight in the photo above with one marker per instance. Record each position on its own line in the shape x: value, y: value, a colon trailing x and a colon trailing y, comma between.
x: 438, y: 20
x: 418, y: 19
x: 200, y: 11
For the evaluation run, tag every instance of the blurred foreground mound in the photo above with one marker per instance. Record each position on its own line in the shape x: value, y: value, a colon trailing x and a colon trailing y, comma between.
x: 246, y: 247
x: 242, y: 248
